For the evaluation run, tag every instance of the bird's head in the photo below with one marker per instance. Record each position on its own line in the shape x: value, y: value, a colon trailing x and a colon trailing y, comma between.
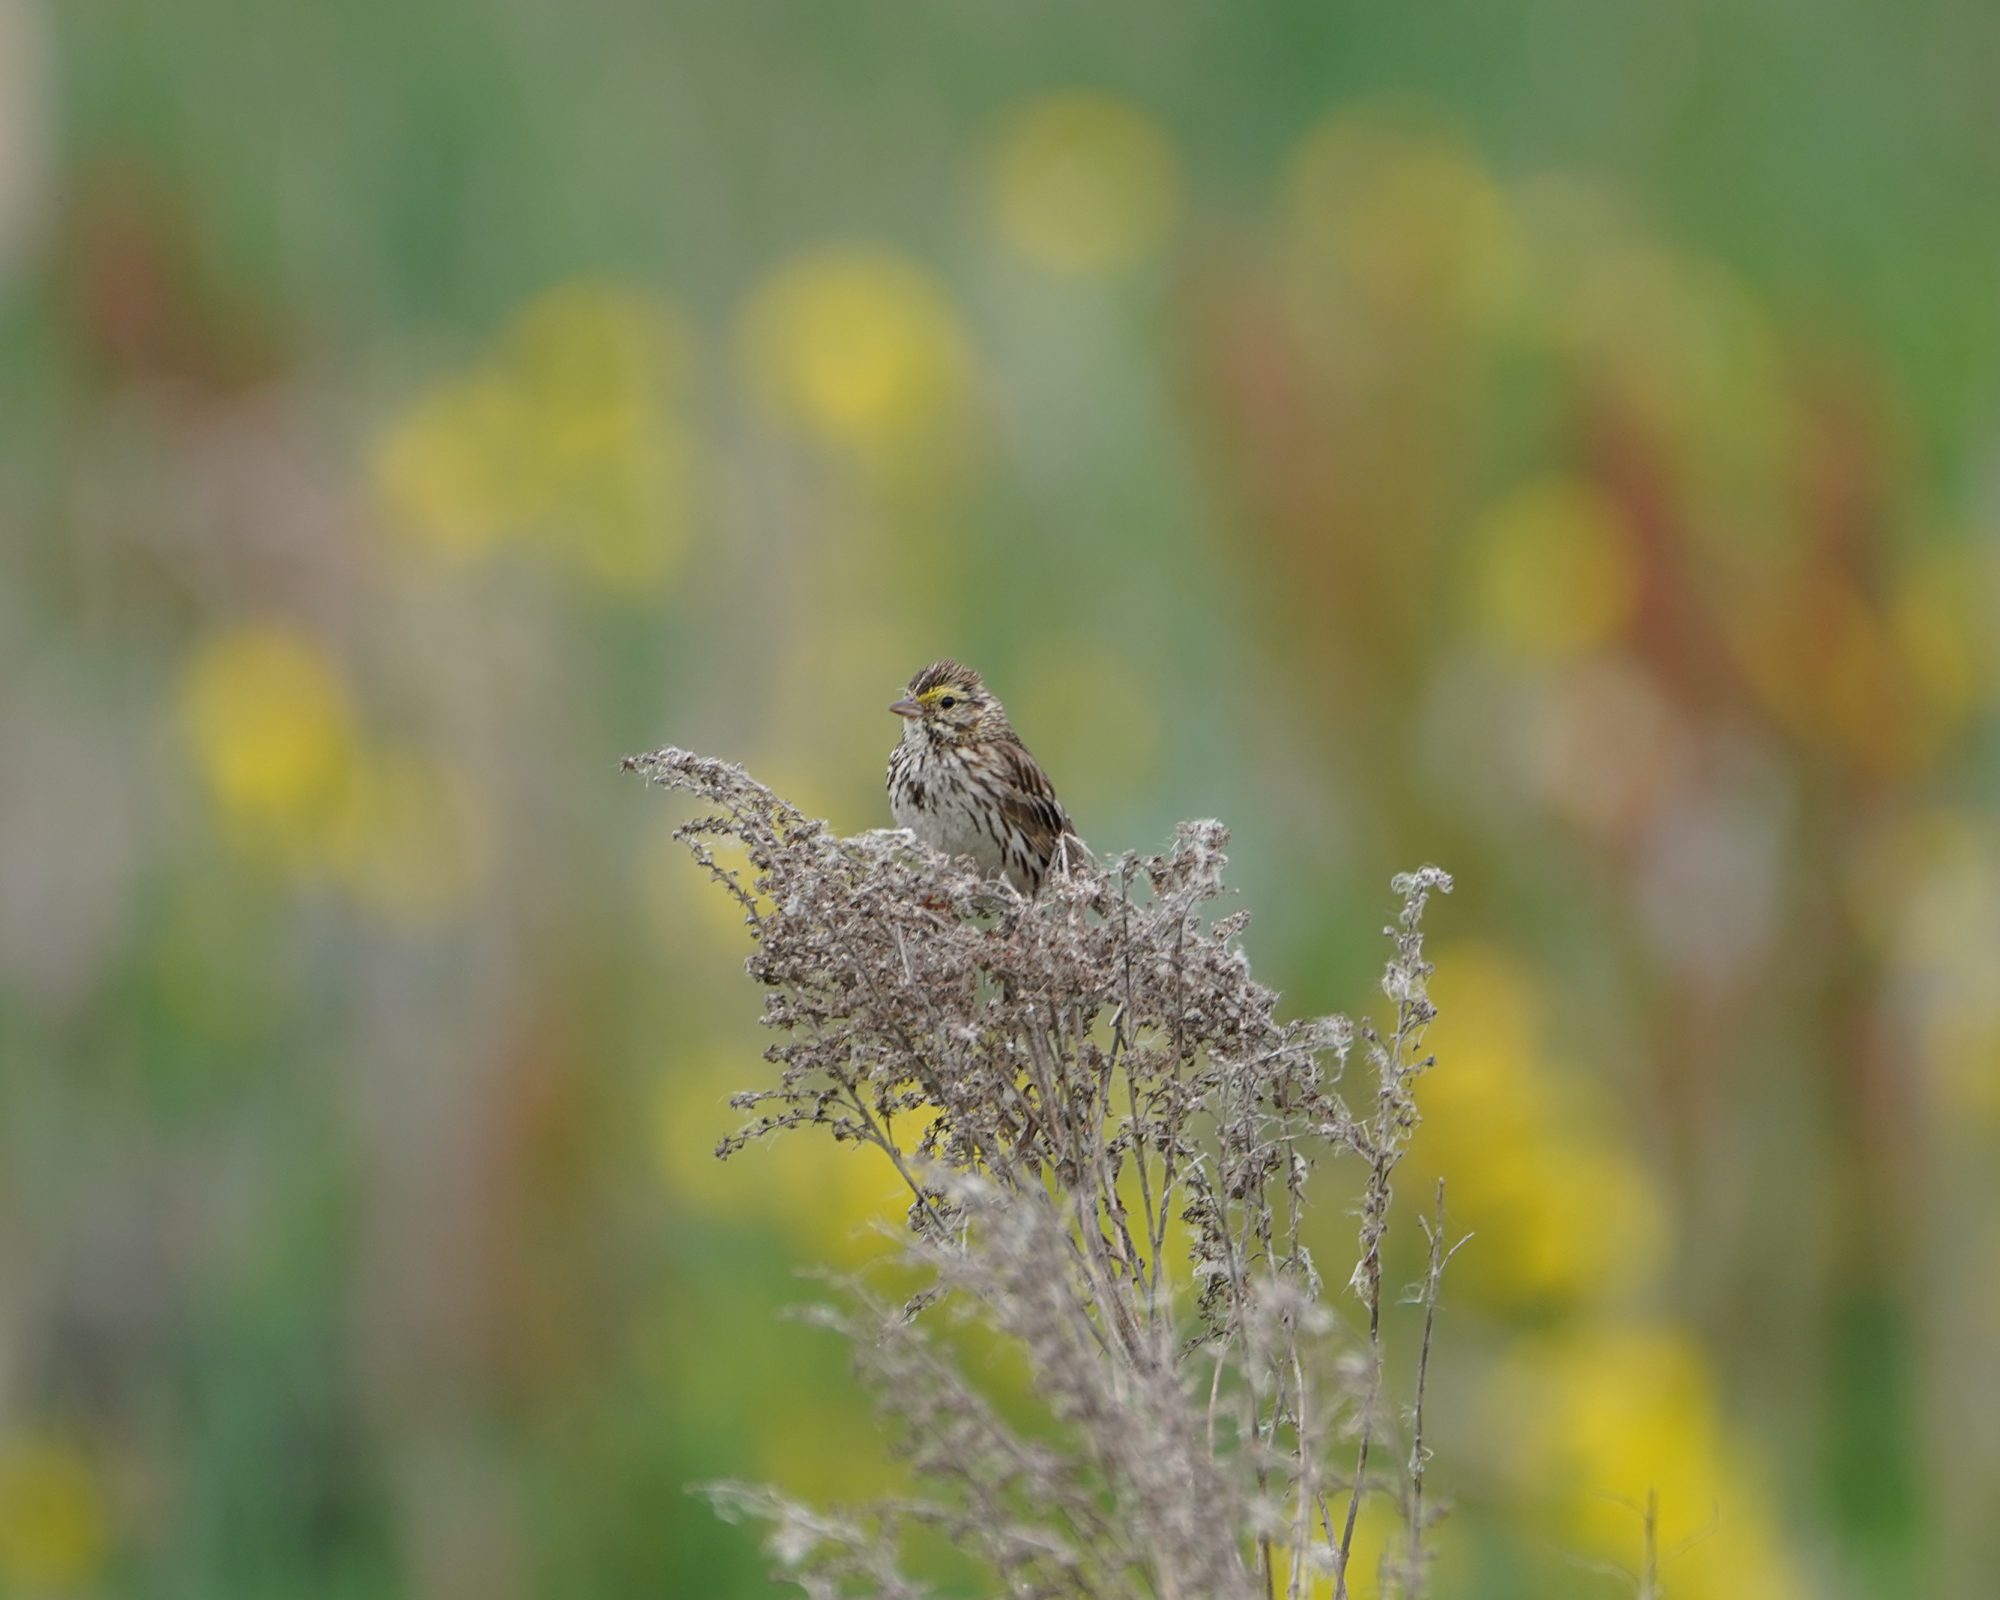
x: 947, y: 701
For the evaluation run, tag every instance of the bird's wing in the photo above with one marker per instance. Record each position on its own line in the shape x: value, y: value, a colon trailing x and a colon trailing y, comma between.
x: 1029, y: 800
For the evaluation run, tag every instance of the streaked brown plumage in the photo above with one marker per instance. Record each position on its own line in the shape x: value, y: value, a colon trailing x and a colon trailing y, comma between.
x: 962, y: 781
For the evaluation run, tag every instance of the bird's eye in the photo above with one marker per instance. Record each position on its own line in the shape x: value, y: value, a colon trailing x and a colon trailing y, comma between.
x: 949, y: 701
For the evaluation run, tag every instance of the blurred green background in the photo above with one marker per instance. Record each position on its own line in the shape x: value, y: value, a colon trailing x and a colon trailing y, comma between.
x: 1558, y: 440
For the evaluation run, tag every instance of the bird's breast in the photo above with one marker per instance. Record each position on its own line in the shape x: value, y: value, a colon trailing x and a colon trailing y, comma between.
x: 936, y: 804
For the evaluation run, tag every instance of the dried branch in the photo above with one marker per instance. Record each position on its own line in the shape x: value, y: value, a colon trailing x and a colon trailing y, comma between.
x: 1089, y: 1071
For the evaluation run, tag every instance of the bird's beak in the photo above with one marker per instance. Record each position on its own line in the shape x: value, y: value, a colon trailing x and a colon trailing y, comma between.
x: 907, y: 707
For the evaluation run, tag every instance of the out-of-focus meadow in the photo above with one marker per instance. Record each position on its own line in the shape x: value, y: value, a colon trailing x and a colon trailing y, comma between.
x: 1561, y: 441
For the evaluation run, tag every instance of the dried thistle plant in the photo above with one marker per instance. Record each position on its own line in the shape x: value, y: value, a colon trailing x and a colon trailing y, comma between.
x: 1108, y: 1135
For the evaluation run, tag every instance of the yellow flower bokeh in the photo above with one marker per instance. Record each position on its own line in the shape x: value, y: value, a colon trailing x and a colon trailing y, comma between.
x: 570, y: 436
x: 1598, y: 1418
x: 1084, y: 184
x: 1380, y: 1539
x: 861, y: 347
x: 1555, y: 570
x: 1935, y: 618
x: 1881, y: 686
x: 451, y: 468
x: 267, y: 716
x: 1563, y: 1216
x: 53, y: 1519
x: 836, y: 1199
x: 1385, y: 205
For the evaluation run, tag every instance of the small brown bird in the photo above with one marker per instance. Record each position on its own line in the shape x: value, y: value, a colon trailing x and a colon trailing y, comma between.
x: 962, y: 781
